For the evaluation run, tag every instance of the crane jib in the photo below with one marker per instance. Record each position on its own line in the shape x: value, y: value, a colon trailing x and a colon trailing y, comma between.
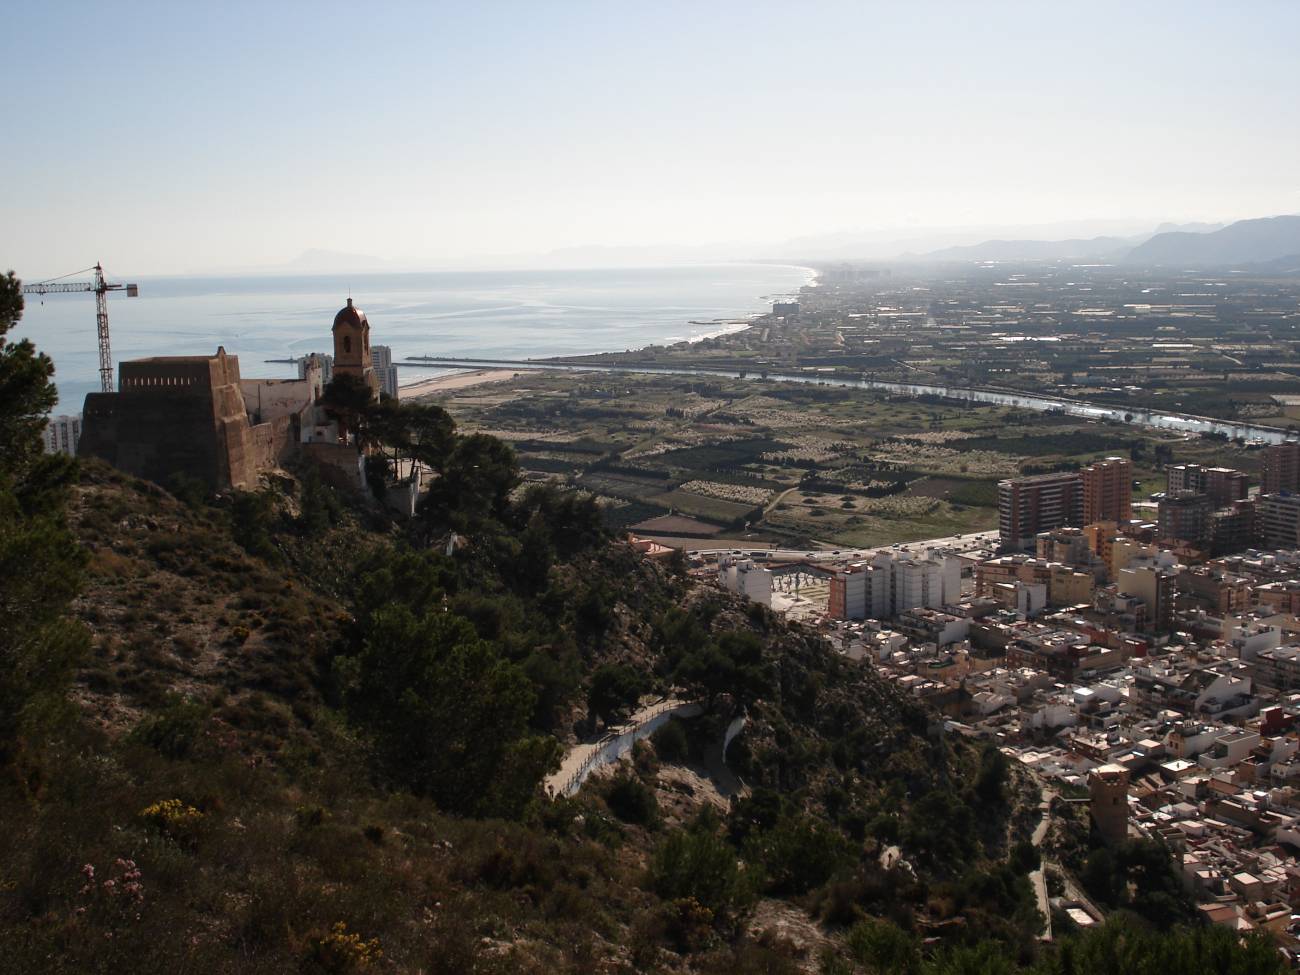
x: 100, y: 288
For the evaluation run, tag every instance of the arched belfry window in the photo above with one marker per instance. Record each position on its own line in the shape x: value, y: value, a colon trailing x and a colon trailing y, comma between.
x: 347, y: 344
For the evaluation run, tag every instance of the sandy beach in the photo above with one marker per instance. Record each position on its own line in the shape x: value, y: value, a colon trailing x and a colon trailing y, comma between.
x: 458, y: 380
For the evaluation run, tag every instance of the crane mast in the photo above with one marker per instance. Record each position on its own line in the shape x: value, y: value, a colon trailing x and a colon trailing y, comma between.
x: 101, y: 327
x: 101, y: 288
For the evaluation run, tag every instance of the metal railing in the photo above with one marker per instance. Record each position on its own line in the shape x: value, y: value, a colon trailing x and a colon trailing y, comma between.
x: 596, y: 757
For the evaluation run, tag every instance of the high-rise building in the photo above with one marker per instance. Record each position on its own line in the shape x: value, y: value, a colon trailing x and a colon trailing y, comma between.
x: 1222, y: 485
x: 1280, y: 470
x: 320, y: 361
x: 1101, y: 539
x: 1029, y: 505
x: 1185, y: 515
x: 62, y: 434
x: 1232, y: 529
x: 1108, y: 491
x: 1277, y: 517
x: 847, y: 599
x: 1153, y: 581
x: 382, y: 357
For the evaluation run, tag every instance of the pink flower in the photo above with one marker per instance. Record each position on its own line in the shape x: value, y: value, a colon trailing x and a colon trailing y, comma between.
x: 88, y: 871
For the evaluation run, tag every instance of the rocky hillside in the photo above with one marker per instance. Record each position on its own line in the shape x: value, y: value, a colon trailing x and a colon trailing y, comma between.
x: 215, y: 768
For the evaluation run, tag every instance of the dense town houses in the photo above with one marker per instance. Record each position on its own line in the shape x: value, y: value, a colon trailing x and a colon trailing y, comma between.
x: 1150, y: 668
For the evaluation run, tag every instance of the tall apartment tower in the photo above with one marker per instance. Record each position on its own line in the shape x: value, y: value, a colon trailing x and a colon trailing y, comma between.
x: 1281, y: 468
x: 1108, y: 491
x: 1185, y: 515
x: 382, y: 357
x: 1108, y: 802
x: 62, y: 434
x: 1222, y: 485
x: 1029, y: 505
x: 321, y: 363
x: 1277, y: 518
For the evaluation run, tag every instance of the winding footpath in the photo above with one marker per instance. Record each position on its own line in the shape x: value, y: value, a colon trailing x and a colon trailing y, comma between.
x: 1039, y: 877
x: 584, y: 758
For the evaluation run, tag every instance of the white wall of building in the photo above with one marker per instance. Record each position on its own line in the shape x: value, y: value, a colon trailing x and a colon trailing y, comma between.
x: 745, y: 577
x: 381, y: 357
x: 62, y: 434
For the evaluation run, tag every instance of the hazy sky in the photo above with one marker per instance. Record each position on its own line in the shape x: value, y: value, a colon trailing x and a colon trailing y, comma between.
x: 185, y: 136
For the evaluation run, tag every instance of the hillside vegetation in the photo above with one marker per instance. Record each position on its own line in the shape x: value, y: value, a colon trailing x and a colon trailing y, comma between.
x: 273, y: 731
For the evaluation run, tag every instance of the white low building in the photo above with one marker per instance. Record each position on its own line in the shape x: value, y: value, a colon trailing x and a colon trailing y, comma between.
x: 747, y: 578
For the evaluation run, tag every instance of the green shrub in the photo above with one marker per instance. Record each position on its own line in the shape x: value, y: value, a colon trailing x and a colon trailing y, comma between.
x: 799, y: 853
x: 885, y: 948
x: 175, y: 729
x: 632, y: 801
x: 697, y: 864
x: 670, y: 741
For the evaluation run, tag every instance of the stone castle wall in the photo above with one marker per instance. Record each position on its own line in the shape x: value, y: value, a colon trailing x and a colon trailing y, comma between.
x: 184, y: 415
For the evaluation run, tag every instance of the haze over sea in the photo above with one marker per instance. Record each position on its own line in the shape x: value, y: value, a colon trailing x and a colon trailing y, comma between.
x: 499, y: 314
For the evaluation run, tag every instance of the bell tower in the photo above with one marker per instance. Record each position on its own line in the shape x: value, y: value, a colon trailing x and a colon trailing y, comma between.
x: 352, y: 346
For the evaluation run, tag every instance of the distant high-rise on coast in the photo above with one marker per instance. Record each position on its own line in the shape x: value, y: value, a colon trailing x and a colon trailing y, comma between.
x: 385, y: 371
x: 382, y: 362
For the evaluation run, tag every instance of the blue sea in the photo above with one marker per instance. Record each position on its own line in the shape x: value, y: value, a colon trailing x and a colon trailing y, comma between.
x: 498, y: 314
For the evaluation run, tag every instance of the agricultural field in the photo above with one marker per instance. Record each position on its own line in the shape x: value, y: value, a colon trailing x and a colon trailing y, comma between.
x: 797, y: 464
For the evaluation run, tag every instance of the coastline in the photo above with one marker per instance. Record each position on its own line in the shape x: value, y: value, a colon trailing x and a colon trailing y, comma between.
x: 268, y: 319
x: 461, y: 379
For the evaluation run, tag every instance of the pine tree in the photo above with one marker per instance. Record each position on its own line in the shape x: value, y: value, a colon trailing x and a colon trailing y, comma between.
x: 40, y: 561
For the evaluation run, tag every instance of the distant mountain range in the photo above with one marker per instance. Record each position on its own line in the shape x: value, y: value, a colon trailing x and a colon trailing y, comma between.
x: 1243, y: 242
x: 1269, y: 244
x: 1075, y: 249
x: 1271, y: 241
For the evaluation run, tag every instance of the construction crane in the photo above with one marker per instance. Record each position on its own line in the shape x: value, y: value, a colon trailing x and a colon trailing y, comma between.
x: 101, y: 288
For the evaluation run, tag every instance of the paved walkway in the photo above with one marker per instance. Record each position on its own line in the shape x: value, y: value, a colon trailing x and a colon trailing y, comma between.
x: 727, y: 782
x: 1039, y: 877
x: 583, y: 758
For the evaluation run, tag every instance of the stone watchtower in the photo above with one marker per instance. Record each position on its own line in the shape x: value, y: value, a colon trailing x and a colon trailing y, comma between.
x: 1108, y: 792
x: 352, y: 346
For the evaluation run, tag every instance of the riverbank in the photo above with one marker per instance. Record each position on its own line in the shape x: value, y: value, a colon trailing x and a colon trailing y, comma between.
x: 1158, y: 420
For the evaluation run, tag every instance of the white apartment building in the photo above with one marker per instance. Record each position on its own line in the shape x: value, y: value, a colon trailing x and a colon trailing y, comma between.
x: 382, y: 358
x: 325, y: 363
x: 893, y: 582
x: 62, y: 434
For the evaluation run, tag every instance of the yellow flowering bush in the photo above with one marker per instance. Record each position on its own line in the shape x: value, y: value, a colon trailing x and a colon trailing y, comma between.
x: 172, y: 818
x: 341, y: 951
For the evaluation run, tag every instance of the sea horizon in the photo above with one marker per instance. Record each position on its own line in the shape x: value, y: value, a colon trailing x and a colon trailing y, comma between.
x: 266, y: 319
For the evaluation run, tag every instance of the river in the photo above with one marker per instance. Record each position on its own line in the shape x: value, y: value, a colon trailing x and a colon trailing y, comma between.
x: 1156, y: 419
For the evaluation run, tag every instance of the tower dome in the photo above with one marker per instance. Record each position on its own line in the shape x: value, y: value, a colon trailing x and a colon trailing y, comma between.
x: 351, y: 315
